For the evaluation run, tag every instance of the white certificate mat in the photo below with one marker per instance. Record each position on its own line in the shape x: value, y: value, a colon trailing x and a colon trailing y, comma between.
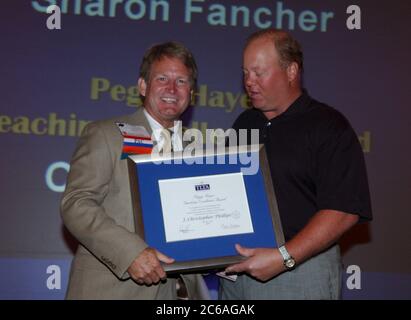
x: 204, y: 207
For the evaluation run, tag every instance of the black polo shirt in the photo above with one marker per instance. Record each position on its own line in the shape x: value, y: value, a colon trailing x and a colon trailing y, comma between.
x: 316, y: 161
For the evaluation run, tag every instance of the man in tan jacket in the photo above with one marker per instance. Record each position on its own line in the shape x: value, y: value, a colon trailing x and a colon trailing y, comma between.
x: 112, y: 261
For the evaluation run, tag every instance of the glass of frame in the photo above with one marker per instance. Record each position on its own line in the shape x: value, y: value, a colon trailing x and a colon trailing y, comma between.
x: 195, y: 208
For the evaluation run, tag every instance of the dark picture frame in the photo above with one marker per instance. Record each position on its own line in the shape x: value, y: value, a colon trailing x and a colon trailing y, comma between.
x: 209, y: 253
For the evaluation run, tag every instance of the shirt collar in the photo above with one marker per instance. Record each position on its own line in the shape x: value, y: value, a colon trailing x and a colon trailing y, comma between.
x: 156, y: 127
x: 299, y: 106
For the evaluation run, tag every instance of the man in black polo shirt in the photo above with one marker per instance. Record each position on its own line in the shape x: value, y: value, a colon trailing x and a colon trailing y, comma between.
x: 318, y: 172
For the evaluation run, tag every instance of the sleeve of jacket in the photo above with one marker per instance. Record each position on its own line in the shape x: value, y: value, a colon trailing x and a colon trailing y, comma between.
x: 88, y: 183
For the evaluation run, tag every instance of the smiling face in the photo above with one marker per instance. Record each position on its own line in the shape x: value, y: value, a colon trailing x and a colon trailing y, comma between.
x: 168, y: 90
x: 269, y: 85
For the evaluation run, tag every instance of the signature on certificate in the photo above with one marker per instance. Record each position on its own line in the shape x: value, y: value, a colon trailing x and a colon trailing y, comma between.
x: 185, y: 228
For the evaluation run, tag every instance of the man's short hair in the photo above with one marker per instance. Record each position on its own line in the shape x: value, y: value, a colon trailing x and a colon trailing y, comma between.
x: 287, y: 47
x: 170, y: 49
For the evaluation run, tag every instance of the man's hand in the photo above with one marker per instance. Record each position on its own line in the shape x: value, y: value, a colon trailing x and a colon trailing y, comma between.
x: 322, y: 231
x: 146, y: 268
x: 261, y: 263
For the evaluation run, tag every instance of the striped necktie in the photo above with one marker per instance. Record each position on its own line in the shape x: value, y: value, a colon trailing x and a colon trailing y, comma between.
x: 167, y: 137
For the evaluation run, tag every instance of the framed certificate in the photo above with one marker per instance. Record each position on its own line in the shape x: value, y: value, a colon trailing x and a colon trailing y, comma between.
x: 195, y: 208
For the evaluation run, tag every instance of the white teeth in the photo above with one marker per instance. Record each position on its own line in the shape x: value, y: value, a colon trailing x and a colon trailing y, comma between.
x: 169, y: 100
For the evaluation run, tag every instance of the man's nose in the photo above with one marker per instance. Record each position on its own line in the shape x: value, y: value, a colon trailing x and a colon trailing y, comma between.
x: 248, y: 80
x: 171, y: 86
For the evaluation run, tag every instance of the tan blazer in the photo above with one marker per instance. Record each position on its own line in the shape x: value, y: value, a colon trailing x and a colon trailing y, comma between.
x: 96, y: 209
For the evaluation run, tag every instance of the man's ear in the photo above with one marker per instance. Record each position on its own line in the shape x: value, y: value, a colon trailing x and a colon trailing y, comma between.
x: 142, y: 86
x: 292, y: 71
x: 192, y: 97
